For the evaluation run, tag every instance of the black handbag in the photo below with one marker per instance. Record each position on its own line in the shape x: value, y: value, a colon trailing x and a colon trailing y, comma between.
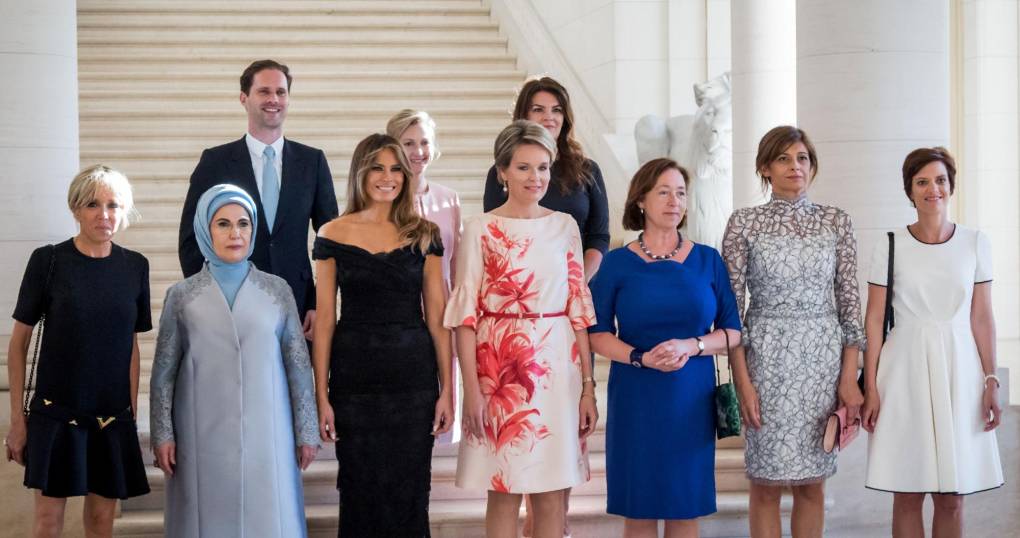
x: 727, y: 407
x: 30, y: 380
x: 889, y: 318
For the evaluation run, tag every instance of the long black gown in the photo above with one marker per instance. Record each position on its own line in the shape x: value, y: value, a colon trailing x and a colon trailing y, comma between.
x: 383, y: 386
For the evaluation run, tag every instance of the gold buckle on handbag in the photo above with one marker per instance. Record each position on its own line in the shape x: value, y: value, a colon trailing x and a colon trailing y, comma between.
x: 104, y: 423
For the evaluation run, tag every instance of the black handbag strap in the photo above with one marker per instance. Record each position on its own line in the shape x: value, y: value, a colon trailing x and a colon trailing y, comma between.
x: 889, y: 319
x: 38, y: 335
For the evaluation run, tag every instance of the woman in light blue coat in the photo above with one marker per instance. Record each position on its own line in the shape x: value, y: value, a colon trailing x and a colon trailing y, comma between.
x: 232, y: 399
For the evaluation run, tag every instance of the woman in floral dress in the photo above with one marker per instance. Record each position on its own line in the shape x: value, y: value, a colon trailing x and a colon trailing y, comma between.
x: 521, y: 308
x: 802, y: 332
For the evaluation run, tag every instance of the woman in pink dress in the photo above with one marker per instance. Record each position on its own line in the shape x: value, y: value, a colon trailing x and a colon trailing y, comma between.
x: 520, y: 308
x: 416, y: 132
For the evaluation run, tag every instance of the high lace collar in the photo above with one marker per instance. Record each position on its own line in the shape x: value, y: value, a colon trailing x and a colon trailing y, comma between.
x: 800, y: 200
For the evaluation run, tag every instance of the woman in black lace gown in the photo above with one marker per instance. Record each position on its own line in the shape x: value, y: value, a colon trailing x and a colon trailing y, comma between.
x: 383, y: 372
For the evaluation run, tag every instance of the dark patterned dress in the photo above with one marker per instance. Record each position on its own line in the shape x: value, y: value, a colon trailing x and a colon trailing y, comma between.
x: 798, y: 260
x: 383, y: 386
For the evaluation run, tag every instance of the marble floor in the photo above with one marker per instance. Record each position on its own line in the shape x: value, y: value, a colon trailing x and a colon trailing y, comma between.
x: 858, y: 512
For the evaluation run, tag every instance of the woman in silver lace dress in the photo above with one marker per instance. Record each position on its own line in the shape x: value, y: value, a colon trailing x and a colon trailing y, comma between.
x: 232, y: 392
x: 798, y: 261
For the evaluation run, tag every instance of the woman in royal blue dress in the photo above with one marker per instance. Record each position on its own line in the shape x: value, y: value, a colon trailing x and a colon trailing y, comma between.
x: 662, y: 305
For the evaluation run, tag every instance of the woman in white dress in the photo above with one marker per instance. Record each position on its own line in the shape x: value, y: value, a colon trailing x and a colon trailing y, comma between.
x: 931, y: 395
x: 521, y: 309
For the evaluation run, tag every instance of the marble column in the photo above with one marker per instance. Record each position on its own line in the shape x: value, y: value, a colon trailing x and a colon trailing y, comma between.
x: 764, y: 77
x: 38, y: 138
x: 989, y: 176
x: 873, y: 84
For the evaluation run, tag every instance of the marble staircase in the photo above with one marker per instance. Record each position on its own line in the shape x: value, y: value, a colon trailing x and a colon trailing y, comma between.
x: 158, y: 84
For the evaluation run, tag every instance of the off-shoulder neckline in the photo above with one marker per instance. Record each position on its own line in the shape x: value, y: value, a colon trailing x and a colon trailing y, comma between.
x: 362, y: 249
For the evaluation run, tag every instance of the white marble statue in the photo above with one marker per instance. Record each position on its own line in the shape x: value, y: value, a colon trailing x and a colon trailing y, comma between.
x: 703, y: 144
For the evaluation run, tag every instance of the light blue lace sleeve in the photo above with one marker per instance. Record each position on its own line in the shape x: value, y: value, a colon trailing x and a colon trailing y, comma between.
x: 164, y: 370
x: 298, y: 365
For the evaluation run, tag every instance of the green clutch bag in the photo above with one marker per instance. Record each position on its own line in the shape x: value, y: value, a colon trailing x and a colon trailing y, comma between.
x: 727, y: 408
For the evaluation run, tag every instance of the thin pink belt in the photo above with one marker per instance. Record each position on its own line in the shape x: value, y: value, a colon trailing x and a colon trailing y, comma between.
x: 522, y: 315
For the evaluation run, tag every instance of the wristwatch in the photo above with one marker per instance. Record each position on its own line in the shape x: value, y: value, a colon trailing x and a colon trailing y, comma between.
x: 636, y: 358
x: 701, y: 346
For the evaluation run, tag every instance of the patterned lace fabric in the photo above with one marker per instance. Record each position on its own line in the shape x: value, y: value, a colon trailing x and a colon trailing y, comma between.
x: 798, y: 261
x: 795, y: 257
x: 170, y: 352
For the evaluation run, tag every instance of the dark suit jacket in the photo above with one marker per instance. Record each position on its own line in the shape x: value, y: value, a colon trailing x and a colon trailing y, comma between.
x: 306, y: 193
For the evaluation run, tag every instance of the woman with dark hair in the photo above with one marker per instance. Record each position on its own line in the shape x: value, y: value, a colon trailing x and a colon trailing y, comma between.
x: 663, y: 304
x: 576, y: 186
x: 931, y: 395
x: 79, y: 437
x: 382, y: 372
x: 802, y: 332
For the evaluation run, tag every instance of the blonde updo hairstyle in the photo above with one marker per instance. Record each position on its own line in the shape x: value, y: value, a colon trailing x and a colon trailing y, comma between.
x: 407, y: 117
x: 89, y: 182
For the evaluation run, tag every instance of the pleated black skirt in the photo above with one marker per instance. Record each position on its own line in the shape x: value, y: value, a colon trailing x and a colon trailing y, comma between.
x: 65, y: 459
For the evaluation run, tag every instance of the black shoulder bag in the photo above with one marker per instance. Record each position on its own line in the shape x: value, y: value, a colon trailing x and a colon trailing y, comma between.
x: 29, y: 381
x: 889, y: 318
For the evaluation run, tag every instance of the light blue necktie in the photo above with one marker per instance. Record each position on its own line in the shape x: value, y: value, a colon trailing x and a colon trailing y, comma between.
x: 270, y: 186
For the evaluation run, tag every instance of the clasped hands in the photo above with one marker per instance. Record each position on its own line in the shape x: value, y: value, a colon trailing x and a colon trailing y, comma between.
x: 670, y: 355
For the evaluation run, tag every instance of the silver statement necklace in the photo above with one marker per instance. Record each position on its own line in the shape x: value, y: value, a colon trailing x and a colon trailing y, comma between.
x: 644, y: 248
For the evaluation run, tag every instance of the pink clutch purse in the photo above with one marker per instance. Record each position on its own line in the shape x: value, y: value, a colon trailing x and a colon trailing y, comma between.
x: 838, y: 433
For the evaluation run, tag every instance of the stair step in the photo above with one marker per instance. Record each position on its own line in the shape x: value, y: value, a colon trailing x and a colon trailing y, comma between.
x: 197, y: 8
x: 227, y: 39
x: 465, y: 518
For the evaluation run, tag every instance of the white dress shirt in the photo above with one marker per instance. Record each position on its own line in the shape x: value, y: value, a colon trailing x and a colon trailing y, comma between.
x: 255, y: 149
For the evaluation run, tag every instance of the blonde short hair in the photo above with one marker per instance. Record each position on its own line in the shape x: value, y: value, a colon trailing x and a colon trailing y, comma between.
x: 407, y: 117
x: 91, y: 180
x: 517, y: 134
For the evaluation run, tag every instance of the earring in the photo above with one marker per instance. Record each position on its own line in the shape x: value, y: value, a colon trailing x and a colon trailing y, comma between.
x: 642, y: 210
x: 504, y: 185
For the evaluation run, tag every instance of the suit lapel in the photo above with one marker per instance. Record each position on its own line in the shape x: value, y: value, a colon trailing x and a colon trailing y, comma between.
x: 290, y: 187
x: 243, y: 176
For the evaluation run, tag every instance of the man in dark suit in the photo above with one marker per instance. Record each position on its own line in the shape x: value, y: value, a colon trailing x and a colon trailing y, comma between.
x: 290, y: 183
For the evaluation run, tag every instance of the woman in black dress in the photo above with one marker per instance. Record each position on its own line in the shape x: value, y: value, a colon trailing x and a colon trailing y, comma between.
x: 80, y: 436
x: 382, y: 374
x: 576, y: 186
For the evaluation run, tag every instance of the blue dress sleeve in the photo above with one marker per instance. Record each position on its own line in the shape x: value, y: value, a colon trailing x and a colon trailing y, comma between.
x: 727, y: 315
x: 604, y: 287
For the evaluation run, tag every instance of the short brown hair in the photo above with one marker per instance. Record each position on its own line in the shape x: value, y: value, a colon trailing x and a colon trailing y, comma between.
x: 775, y: 143
x: 261, y: 65
x: 517, y: 134
x: 643, y: 183
x: 921, y: 157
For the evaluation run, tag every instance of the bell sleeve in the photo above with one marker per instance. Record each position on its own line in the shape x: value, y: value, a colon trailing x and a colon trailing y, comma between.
x: 579, y: 306
x: 462, y: 308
